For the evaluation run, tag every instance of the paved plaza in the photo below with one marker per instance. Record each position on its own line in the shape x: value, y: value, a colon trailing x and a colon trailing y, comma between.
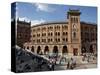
x: 27, y: 61
x: 79, y: 66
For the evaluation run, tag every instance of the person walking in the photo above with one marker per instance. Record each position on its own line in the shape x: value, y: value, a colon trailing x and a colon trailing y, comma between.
x: 68, y: 65
x: 50, y: 65
x: 53, y: 66
x: 71, y: 64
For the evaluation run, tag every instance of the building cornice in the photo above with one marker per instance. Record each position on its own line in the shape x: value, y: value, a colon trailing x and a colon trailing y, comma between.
x: 52, y: 23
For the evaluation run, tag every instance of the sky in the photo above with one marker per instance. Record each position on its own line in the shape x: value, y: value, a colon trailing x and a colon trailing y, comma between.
x: 40, y: 13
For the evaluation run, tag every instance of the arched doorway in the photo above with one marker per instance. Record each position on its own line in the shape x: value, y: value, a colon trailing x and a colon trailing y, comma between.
x: 46, y: 50
x: 64, y: 50
x: 83, y: 50
x: 39, y: 51
x: 27, y: 47
x: 75, y: 51
x: 32, y: 48
x: 55, y: 50
x: 91, y: 49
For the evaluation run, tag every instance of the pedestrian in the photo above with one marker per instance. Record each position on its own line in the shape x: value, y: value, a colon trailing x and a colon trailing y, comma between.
x: 53, y: 66
x: 50, y: 66
x: 68, y: 65
x: 71, y: 64
x: 74, y: 62
x: 88, y: 58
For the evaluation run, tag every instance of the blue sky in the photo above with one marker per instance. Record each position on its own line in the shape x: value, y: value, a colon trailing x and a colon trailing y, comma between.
x: 38, y: 13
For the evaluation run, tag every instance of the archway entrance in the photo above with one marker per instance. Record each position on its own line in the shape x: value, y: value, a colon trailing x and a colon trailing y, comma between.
x: 64, y: 50
x: 55, y: 50
x: 75, y: 51
x: 46, y: 50
x: 83, y: 50
x: 91, y: 49
x: 27, y: 47
x: 32, y: 48
x: 39, y: 51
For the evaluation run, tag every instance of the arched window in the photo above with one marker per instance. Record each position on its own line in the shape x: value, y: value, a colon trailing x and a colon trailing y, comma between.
x: 74, y: 34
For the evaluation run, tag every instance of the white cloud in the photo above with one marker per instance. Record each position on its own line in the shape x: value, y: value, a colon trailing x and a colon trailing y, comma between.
x: 44, y: 7
x: 24, y: 19
x: 34, y: 22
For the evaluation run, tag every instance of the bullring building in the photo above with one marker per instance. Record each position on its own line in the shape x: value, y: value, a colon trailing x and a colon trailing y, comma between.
x: 72, y: 37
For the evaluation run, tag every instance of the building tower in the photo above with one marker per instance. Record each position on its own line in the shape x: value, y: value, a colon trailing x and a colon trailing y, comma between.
x: 74, y: 32
x: 23, y: 30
